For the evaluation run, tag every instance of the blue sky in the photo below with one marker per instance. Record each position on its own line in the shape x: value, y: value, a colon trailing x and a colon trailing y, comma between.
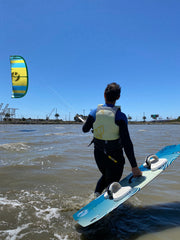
x: 74, y: 48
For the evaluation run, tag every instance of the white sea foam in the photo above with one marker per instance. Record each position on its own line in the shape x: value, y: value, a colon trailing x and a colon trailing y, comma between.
x: 47, y: 214
x: 59, y: 134
x: 12, y: 203
x: 60, y: 237
x: 20, y: 146
x: 13, y: 233
x: 45, y: 149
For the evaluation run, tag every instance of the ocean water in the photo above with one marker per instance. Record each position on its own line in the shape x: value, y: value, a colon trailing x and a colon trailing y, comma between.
x: 47, y: 173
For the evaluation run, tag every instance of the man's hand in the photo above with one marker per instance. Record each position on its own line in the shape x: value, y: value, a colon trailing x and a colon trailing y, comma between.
x: 136, y: 172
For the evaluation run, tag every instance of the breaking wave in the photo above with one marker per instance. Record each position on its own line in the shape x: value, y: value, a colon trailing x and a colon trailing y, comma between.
x: 16, y: 147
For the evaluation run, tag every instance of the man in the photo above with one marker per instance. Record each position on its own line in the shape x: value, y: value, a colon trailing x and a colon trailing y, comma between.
x: 111, y: 136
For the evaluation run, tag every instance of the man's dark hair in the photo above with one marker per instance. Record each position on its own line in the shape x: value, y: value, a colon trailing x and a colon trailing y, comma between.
x: 112, y: 92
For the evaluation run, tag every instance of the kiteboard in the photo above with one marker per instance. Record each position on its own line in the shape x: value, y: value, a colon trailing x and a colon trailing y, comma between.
x: 118, y: 193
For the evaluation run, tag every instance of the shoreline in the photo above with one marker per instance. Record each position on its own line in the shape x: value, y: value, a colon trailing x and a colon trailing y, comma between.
x: 42, y: 122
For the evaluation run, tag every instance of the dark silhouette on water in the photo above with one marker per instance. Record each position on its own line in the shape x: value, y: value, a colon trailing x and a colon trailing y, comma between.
x: 129, y: 222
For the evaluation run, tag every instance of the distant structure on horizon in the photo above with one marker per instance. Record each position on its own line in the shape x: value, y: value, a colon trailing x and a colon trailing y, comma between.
x: 7, y: 112
x: 154, y: 116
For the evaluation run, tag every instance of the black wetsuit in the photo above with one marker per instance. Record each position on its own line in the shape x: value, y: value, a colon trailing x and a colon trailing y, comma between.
x: 111, y: 167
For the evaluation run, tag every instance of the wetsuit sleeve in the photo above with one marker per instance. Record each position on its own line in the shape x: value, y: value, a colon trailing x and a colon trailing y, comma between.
x: 126, y: 142
x: 88, y: 124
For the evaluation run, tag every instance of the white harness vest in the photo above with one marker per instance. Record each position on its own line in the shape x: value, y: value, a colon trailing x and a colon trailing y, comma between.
x: 104, y: 127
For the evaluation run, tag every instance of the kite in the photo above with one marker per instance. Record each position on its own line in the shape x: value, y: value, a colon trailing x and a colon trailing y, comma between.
x: 19, y: 75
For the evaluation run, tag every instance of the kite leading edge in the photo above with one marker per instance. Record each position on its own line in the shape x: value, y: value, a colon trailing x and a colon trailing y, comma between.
x: 19, y: 75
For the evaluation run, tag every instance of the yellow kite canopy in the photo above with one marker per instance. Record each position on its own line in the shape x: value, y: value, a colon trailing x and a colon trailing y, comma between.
x: 19, y: 75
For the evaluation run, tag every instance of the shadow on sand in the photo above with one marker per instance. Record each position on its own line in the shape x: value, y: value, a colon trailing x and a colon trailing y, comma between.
x: 130, y: 222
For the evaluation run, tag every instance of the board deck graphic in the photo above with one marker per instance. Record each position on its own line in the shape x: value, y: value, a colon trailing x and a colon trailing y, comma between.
x: 101, y: 206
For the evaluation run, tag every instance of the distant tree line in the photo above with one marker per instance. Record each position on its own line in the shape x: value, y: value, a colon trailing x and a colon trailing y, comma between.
x: 79, y: 118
